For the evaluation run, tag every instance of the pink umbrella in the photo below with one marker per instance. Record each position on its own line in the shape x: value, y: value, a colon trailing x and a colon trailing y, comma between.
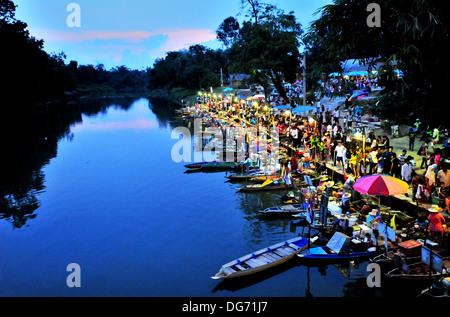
x: 258, y: 97
x: 380, y: 184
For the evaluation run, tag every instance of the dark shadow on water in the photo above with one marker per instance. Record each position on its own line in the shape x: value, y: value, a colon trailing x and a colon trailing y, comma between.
x: 29, y: 141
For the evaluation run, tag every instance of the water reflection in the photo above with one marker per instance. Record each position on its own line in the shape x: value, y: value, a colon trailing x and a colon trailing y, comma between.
x: 29, y: 142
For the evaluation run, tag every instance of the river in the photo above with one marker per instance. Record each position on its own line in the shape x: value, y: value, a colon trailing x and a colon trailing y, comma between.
x: 97, y: 186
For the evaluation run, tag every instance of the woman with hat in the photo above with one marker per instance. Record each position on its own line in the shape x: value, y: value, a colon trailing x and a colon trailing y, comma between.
x: 371, y: 217
x: 345, y: 207
x: 436, y: 220
x: 343, y: 225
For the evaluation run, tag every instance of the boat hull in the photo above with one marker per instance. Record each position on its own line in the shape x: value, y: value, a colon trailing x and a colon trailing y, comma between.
x: 312, y: 256
x: 263, y: 259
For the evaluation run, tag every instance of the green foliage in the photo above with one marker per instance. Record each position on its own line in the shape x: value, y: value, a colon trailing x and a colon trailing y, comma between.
x: 31, y: 73
x: 193, y: 69
x: 96, y: 80
x: 267, y: 49
x: 413, y: 37
x: 35, y: 76
x: 228, y: 30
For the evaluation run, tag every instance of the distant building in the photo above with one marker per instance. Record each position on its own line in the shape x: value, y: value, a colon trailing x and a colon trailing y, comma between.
x: 237, y: 80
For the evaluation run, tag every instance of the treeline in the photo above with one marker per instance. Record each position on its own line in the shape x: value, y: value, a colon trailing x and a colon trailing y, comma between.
x: 96, y: 80
x: 28, y: 72
x: 189, y: 70
x: 31, y: 75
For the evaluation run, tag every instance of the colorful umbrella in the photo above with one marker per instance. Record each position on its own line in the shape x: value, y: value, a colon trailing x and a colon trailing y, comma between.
x: 380, y: 184
x: 358, y: 95
x: 258, y: 97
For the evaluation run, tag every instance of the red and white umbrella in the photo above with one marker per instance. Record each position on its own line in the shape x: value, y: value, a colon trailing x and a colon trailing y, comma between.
x: 258, y: 97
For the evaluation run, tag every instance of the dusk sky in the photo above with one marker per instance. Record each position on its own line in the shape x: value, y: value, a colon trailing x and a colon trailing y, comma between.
x: 136, y: 32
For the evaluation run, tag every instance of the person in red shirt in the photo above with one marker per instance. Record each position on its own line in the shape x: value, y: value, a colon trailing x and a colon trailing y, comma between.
x: 436, y: 220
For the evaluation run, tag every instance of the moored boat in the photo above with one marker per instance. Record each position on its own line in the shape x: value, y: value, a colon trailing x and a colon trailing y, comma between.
x: 285, y: 209
x: 418, y: 271
x: 264, y: 259
x: 259, y: 187
x: 339, y: 248
x: 262, y: 178
x: 211, y: 166
x: 245, y: 176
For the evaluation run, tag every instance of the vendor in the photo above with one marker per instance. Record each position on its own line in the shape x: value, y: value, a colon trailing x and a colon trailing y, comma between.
x: 365, y: 210
x: 343, y: 225
x: 436, y: 224
x: 346, y: 202
x: 371, y: 218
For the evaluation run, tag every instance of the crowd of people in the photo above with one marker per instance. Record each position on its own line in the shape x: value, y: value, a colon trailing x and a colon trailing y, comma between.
x: 330, y: 136
x: 340, y: 139
x: 357, y: 152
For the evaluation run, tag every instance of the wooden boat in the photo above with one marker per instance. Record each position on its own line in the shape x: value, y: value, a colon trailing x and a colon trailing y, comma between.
x: 339, y: 248
x: 417, y: 271
x: 221, y: 166
x: 421, y: 270
x: 439, y: 288
x: 211, y: 165
x: 262, y: 178
x: 244, y: 176
x: 258, y: 187
x: 285, y: 210
x: 264, y: 259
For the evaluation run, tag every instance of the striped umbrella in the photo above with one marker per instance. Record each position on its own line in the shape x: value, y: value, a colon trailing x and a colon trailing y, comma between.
x: 380, y: 184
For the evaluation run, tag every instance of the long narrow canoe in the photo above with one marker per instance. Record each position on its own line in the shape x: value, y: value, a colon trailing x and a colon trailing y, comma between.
x: 339, y: 247
x: 211, y: 165
x: 324, y: 254
x: 203, y: 166
x: 264, y: 259
x: 244, y: 176
x: 262, y: 178
x: 258, y: 187
x: 285, y: 209
x: 418, y: 271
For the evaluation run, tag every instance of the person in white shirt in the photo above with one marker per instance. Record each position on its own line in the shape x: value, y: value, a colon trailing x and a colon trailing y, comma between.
x: 336, y: 116
x: 407, y: 171
x: 335, y: 130
x: 373, y: 161
x: 443, y: 176
x: 340, y: 152
x: 329, y: 129
x: 436, y: 135
x: 294, y: 134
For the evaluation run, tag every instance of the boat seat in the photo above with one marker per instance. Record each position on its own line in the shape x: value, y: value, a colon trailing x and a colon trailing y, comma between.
x: 272, y: 256
x: 265, y: 258
x: 229, y: 270
x: 279, y: 253
x: 283, y: 251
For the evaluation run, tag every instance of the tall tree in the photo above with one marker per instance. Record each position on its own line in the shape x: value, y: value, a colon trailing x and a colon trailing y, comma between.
x: 32, y: 74
x: 228, y: 30
x: 267, y: 49
x: 412, y: 37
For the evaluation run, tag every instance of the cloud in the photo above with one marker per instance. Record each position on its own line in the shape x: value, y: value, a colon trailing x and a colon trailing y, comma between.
x: 137, y: 124
x: 118, y: 47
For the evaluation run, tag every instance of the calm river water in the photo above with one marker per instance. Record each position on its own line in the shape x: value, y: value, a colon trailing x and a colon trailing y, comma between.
x: 97, y: 186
